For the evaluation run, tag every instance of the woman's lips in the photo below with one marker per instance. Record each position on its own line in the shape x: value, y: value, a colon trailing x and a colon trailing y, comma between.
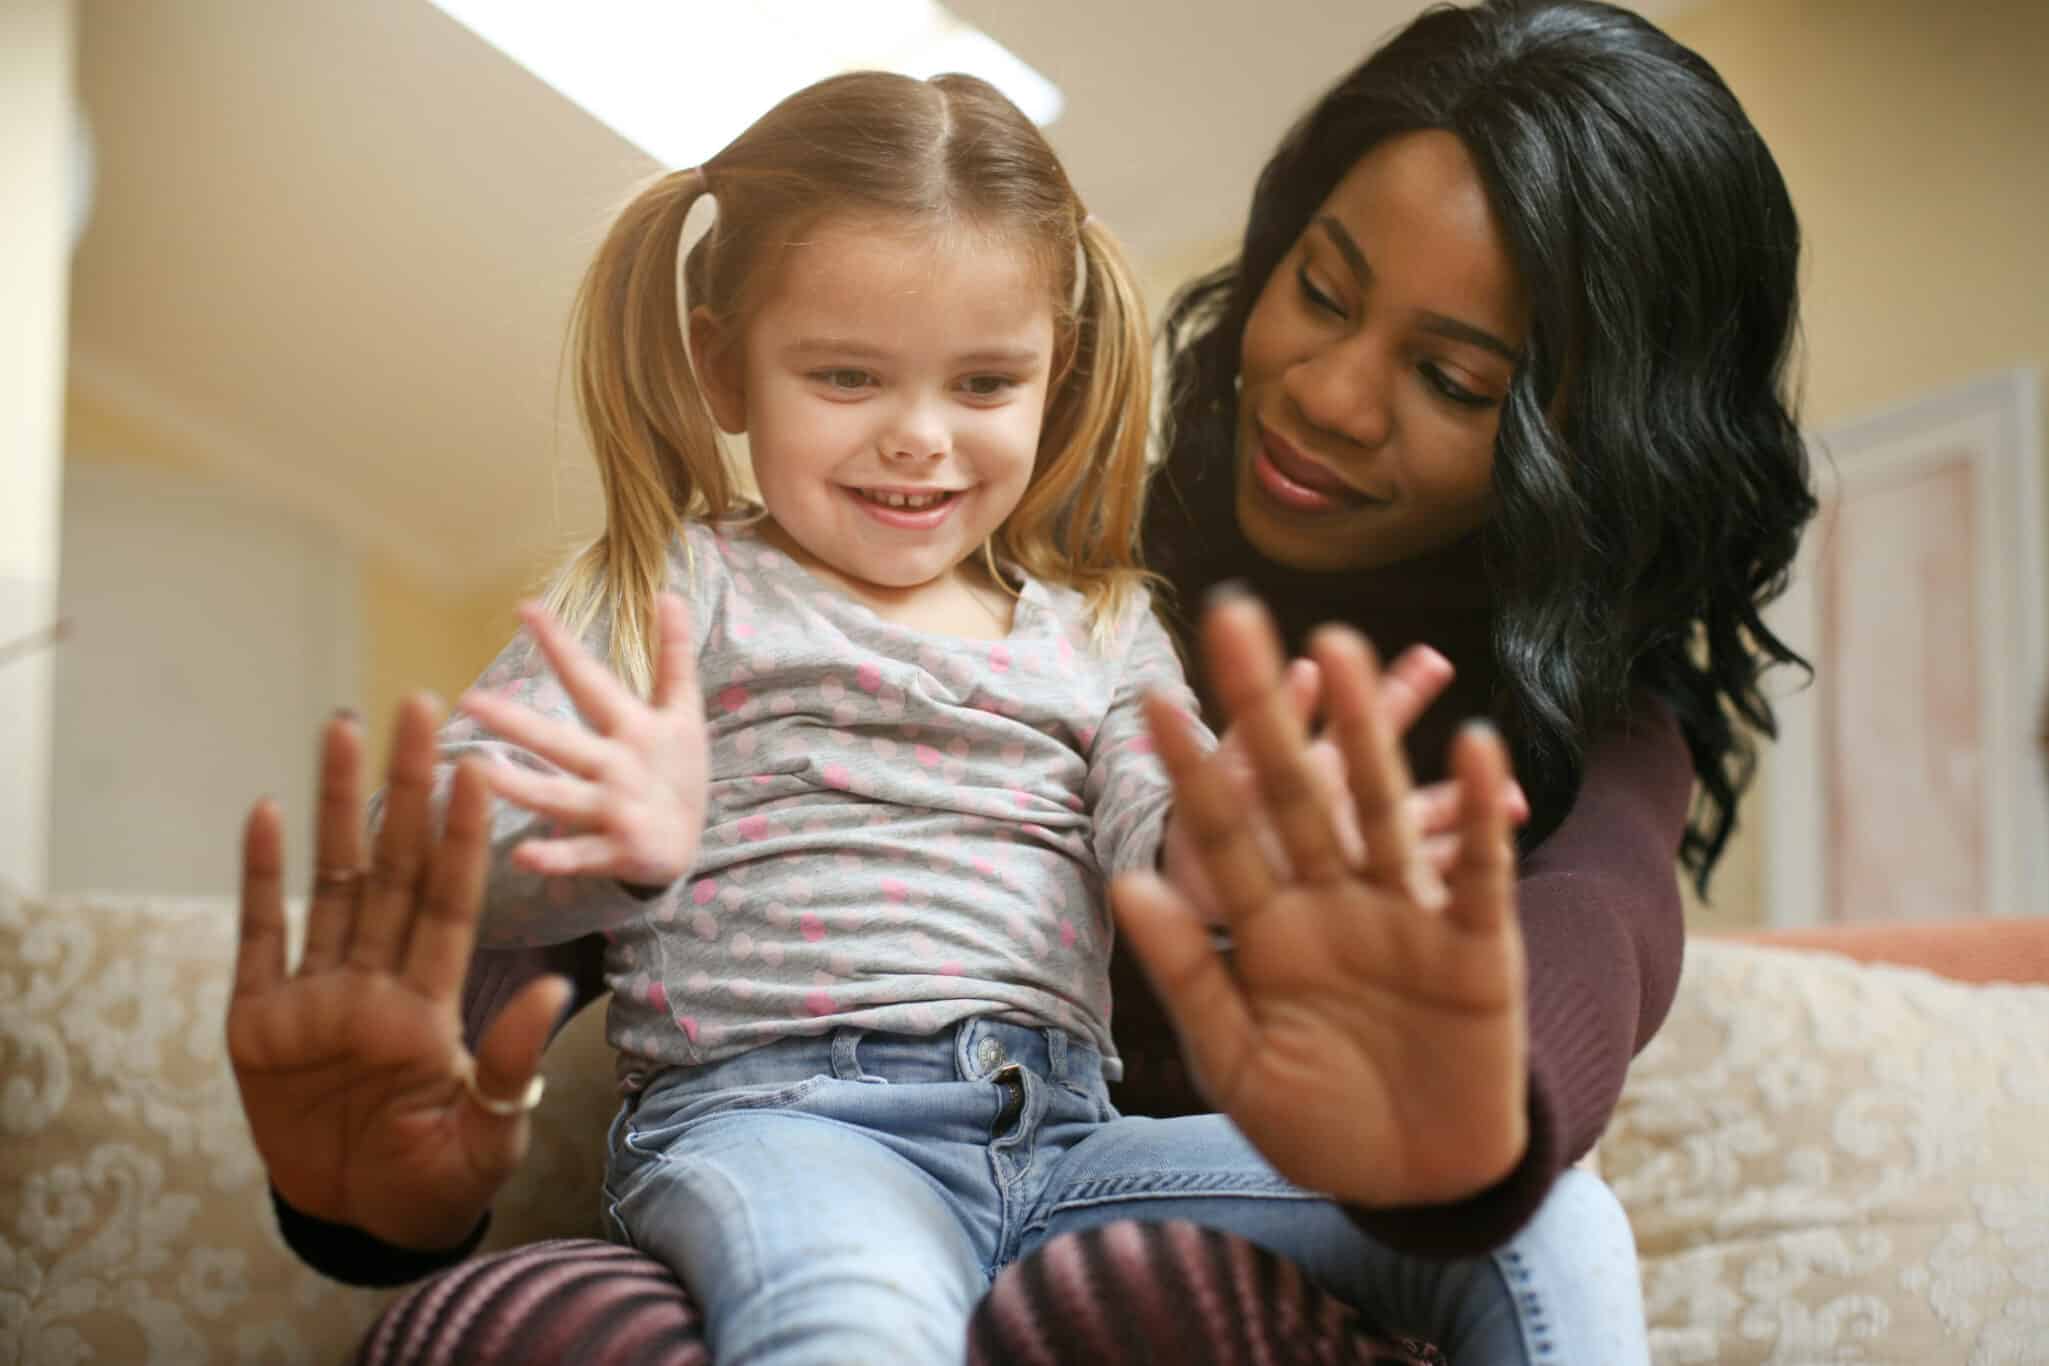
x: 1293, y: 480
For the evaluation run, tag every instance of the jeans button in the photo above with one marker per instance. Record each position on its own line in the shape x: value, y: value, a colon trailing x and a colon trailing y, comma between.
x: 988, y: 1053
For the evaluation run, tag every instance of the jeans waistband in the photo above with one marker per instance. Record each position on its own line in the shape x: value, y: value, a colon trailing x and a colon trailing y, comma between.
x: 972, y: 1050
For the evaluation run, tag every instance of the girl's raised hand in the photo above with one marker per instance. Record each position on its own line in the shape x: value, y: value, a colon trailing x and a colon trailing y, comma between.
x: 629, y: 801
x: 1368, y: 1031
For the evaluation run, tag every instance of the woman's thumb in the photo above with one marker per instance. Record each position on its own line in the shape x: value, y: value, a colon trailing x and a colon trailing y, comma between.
x: 507, y: 1063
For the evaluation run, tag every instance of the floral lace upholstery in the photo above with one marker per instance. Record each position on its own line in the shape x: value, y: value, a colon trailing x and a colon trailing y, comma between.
x: 1826, y: 1161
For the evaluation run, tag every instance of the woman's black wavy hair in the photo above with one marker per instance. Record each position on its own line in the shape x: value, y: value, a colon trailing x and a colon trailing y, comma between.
x: 1635, y: 541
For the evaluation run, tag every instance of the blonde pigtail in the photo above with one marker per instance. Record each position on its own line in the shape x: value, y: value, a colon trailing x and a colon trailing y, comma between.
x: 1093, y: 493
x: 650, y: 429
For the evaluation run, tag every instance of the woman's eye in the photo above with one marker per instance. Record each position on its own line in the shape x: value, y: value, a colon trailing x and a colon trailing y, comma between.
x: 1444, y: 384
x: 1316, y: 297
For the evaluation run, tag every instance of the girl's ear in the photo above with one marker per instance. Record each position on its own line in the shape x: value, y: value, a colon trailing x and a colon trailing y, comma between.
x: 721, y: 371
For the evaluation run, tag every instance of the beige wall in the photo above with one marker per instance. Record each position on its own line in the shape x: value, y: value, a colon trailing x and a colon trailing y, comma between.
x: 36, y: 123
x: 1915, y: 138
x: 413, y: 634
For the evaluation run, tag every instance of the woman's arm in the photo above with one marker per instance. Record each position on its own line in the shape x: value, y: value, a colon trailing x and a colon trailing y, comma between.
x: 1603, y: 935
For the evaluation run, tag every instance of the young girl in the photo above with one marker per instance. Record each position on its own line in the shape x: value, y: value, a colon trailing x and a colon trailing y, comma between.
x: 853, y: 888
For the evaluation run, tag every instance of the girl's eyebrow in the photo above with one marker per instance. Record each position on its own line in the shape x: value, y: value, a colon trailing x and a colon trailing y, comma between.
x: 859, y: 350
x: 1447, y: 327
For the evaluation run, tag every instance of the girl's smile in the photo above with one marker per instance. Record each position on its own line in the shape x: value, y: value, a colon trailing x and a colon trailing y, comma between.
x: 892, y: 387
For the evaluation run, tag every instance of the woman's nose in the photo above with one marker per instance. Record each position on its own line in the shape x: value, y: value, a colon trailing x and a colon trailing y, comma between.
x: 1345, y: 389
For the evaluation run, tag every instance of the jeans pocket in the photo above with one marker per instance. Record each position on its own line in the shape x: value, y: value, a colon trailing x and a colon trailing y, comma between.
x: 658, y: 1124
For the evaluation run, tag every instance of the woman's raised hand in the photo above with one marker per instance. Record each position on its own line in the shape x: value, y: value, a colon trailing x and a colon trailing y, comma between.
x: 1367, y: 1029
x: 363, y: 1102
x: 629, y: 802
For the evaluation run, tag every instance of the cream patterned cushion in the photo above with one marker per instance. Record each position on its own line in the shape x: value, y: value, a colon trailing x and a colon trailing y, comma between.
x: 1831, y: 1162
x: 135, y: 1222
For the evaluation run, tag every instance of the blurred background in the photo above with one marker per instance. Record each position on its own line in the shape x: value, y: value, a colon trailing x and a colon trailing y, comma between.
x: 284, y: 288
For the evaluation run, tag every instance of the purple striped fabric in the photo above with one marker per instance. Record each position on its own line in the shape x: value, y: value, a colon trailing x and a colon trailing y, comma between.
x: 566, y: 1300
x: 1171, y: 1292
x: 1129, y: 1292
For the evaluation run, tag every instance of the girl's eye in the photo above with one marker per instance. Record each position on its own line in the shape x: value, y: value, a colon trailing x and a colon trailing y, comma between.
x: 1316, y: 297
x: 847, y: 381
x: 1451, y: 389
x: 988, y: 386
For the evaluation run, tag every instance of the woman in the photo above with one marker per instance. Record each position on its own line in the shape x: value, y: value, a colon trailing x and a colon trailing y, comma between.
x: 1499, y: 368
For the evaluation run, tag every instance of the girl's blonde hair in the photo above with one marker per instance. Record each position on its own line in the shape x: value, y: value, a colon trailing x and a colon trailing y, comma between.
x: 952, y: 151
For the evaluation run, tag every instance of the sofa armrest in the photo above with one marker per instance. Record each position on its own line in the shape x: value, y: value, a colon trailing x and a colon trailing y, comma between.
x: 1981, y: 949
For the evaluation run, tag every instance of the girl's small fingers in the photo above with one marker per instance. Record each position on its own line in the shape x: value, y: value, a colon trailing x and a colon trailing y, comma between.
x: 566, y: 801
x: 1434, y: 809
x: 567, y: 746
x: 1482, y: 880
x: 1418, y: 677
x: 602, y: 699
x: 1518, y: 803
x: 676, y: 657
x: 571, y: 856
x: 260, y: 942
x: 1441, y: 853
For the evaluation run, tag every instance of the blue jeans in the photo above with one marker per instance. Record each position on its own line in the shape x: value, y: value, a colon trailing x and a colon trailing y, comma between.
x: 848, y: 1198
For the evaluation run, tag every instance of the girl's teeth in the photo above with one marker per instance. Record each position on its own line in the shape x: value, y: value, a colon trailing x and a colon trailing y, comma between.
x: 906, y: 500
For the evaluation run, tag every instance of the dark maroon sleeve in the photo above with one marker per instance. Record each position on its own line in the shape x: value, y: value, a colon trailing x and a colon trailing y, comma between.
x: 1604, y: 932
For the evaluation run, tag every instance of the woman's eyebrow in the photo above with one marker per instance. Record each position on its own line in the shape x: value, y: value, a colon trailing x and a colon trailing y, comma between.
x: 1451, y: 328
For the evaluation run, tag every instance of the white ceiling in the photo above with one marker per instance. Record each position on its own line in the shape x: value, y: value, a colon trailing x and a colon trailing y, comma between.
x: 332, y: 246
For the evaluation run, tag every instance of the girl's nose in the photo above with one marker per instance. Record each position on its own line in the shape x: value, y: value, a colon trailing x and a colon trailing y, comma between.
x: 918, y: 437
x: 1345, y: 389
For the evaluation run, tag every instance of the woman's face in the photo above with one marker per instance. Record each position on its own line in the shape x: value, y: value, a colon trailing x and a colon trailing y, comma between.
x: 1375, y: 363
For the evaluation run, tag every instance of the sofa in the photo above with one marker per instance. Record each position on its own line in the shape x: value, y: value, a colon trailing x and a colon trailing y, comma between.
x: 1836, y: 1150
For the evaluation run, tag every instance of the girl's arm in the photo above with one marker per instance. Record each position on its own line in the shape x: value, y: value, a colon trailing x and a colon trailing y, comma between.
x: 1126, y: 788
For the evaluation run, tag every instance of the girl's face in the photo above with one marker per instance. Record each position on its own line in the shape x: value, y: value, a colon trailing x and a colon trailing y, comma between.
x: 1374, y: 365
x: 892, y: 386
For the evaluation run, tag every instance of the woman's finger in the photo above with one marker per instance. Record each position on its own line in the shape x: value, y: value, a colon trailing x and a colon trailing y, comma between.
x: 337, y: 847
x: 1210, y: 807
x: 569, y: 856
x: 1374, y: 767
x: 1482, y: 883
x: 507, y: 1058
x: 676, y: 656
x: 564, y: 744
x: 1418, y: 677
x: 566, y: 801
x: 404, y: 840
x: 444, y: 929
x: 603, y: 699
x: 260, y: 941
x: 1245, y: 661
x: 1190, y: 977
